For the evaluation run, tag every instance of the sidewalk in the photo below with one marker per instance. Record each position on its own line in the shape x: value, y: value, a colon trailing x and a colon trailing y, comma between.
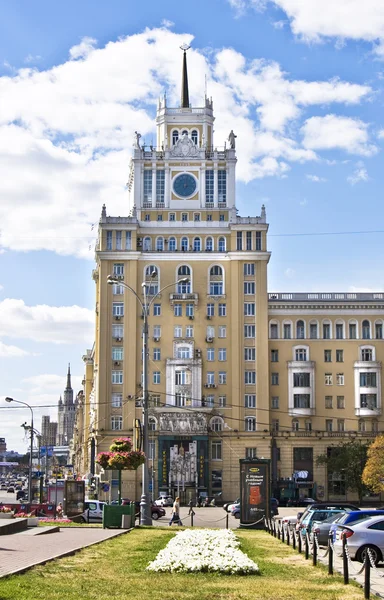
x: 20, y: 552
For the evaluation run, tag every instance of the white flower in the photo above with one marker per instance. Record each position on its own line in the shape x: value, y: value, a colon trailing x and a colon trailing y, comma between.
x: 203, y: 550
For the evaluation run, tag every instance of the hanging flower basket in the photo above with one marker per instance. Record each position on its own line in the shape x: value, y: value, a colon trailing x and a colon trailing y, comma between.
x: 121, y: 445
x: 121, y: 456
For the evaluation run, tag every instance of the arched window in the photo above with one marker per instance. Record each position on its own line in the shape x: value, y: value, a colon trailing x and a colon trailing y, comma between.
x: 250, y: 423
x: 209, y: 244
x: 182, y: 272
x: 222, y: 245
x: 216, y: 424
x: 366, y: 330
x: 197, y: 244
x: 147, y: 244
x: 160, y: 244
x: 152, y: 424
x: 152, y: 279
x: 308, y: 425
x: 175, y: 137
x: 184, y: 352
x: 300, y: 330
x: 172, y: 244
x: 194, y: 136
x: 184, y: 132
x: 295, y: 425
x: 216, y: 281
x: 184, y: 244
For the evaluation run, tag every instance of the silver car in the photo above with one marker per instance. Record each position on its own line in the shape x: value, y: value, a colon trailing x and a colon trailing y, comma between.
x: 367, y: 533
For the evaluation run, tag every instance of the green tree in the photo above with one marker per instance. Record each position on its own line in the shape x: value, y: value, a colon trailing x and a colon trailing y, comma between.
x: 373, y: 474
x: 347, y: 459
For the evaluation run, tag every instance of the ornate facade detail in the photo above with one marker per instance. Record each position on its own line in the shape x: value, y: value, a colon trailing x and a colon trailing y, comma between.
x: 185, y: 148
x: 183, y: 423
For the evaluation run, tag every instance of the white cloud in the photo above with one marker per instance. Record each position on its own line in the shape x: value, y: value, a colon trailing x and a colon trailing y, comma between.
x: 30, y: 58
x: 332, y: 131
x: 82, y: 50
x: 47, y: 383
x: 279, y: 24
x: 360, y: 174
x: 290, y: 273
x: 11, y: 351
x: 363, y: 290
x: 381, y: 134
x: 167, y: 23
x: 315, y: 178
x: 41, y: 323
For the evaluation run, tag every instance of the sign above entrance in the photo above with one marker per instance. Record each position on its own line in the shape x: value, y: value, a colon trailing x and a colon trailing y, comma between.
x: 182, y: 423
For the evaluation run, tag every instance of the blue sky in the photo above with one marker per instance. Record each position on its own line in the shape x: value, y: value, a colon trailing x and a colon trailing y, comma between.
x: 301, y: 87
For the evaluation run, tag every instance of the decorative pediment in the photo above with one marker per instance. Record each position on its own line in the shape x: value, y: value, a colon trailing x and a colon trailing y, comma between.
x: 184, y: 148
x: 182, y: 423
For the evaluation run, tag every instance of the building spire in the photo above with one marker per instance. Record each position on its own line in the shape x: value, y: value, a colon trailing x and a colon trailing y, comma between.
x: 184, y: 79
x: 69, y: 377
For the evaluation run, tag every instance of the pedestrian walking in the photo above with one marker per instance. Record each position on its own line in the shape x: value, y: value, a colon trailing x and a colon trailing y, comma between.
x: 190, y: 504
x: 176, y: 512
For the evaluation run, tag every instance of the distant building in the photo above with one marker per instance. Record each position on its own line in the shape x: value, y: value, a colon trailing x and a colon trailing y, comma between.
x: 66, y: 415
x: 48, y: 431
x: 3, y: 447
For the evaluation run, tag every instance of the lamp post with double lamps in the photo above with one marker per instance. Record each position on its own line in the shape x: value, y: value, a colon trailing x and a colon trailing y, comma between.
x: 31, y: 447
x: 145, y: 513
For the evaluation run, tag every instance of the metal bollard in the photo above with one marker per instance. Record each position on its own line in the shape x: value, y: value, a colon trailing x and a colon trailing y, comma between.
x: 299, y: 543
x: 293, y: 540
x: 227, y: 521
x: 330, y: 554
x: 314, y: 552
x: 274, y: 529
x: 282, y: 533
x: 306, y: 546
x: 278, y: 532
x: 192, y: 514
x: 345, y: 559
x: 288, y: 536
x: 367, y: 576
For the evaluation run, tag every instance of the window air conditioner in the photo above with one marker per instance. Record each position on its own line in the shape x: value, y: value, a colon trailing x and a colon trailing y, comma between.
x: 209, y: 340
x: 116, y: 363
x: 117, y: 339
x: 156, y: 339
x: 117, y: 317
x: 209, y: 317
x: 206, y: 385
x: 191, y: 318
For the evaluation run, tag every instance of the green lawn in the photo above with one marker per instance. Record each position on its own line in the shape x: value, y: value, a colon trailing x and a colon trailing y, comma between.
x: 115, y: 570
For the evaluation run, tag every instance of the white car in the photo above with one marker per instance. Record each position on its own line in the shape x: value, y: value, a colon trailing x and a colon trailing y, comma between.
x: 289, y: 520
x: 93, y: 511
x: 164, y: 501
x: 367, y: 533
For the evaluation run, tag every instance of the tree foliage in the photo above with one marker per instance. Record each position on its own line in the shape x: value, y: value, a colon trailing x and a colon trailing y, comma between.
x: 373, y: 474
x: 347, y: 459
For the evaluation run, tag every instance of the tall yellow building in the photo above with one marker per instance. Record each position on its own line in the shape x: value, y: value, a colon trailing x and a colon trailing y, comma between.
x: 234, y: 371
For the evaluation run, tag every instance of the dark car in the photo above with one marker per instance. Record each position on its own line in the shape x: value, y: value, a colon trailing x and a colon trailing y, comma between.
x: 274, y: 509
x: 11, y: 490
x: 325, y: 506
x: 156, y: 511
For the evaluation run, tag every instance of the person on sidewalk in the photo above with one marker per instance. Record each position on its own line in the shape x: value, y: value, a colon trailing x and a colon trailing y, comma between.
x: 191, y: 504
x: 176, y: 512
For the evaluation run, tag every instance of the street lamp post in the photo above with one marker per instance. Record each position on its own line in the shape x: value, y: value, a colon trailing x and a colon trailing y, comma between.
x: 145, y: 513
x: 31, y: 447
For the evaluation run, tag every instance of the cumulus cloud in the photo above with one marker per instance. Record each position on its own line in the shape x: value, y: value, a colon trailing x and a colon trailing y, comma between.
x: 316, y: 178
x: 66, y: 132
x: 41, y: 323
x: 360, y: 174
x: 11, y: 351
x: 333, y: 131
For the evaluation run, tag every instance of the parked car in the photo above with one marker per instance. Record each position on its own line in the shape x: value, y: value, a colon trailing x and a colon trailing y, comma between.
x: 164, y: 501
x: 228, y: 506
x: 305, y: 525
x: 93, y: 511
x: 274, y: 509
x: 367, y: 533
x: 300, y: 501
x: 353, y: 517
x: 322, y: 528
x: 156, y: 511
x: 11, y: 490
x: 325, y: 506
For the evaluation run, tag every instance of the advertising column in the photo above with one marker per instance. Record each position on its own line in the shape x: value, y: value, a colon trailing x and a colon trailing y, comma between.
x: 254, y: 492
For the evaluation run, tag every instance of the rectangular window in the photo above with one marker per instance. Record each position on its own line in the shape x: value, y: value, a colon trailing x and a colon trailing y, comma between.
x: 210, y: 309
x: 216, y: 450
x: 222, y: 377
x: 178, y: 331
x: 249, y: 354
x: 157, y: 332
x: 249, y: 269
x: 159, y: 217
x: 249, y: 288
x: 189, y: 331
x: 210, y: 354
x: 250, y: 424
x: 328, y: 356
x: 368, y: 401
x: 275, y: 402
x: 184, y: 217
x: 210, y: 332
x: 189, y: 310
x: 210, y: 378
x: 177, y: 310
x: 239, y: 240
x: 275, y: 425
x: 119, y: 240
x: 328, y: 401
x: 222, y: 401
x: 156, y: 354
x: 301, y: 380
x: 274, y: 356
x: 196, y: 217
x: 117, y: 289
x: 209, y: 185
x: 249, y: 309
x: 117, y: 377
x: 368, y: 380
x: 287, y: 331
x: 366, y: 355
x: 109, y: 240
x: 117, y: 400
x: 147, y: 187
x: 160, y: 185
x: 249, y: 377
x: 209, y: 401
x: 128, y: 240
x: 301, y: 401
x: 313, y: 331
x: 329, y: 424
x: 328, y: 379
x: 340, y: 402
x: 251, y: 453
x: 379, y: 331
x: 248, y: 240
x: 116, y: 423
x: 339, y: 355
x: 274, y: 331
x: 250, y: 400
x: 156, y: 377
x: 339, y: 378
x: 209, y: 217
x: 222, y: 354
x: 249, y: 331
x: 221, y: 217
x: 340, y: 425
x: 222, y: 309
x: 222, y: 185
x: 118, y: 269
x: 274, y: 379
x: 222, y: 331
x: 172, y: 217
x: 156, y: 310
x: 326, y: 331
x: 339, y: 331
x: 352, y: 331
x: 117, y: 332
x: 301, y: 355
x: 258, y: 241
x: 117, y: 353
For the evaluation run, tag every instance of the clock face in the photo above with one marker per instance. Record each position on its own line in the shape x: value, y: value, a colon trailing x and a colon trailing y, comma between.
x: 184, y: 185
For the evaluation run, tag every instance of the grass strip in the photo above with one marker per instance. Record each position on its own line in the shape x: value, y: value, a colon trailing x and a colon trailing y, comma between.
x: 115, y: 570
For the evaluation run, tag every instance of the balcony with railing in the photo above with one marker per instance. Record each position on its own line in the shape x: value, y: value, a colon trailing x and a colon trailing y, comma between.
x: 326, y: 297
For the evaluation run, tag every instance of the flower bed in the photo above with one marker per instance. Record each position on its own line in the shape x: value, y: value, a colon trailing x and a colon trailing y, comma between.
x: 206, y: 550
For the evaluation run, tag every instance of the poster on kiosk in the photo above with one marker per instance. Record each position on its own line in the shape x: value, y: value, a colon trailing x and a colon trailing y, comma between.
x: 254, y: 492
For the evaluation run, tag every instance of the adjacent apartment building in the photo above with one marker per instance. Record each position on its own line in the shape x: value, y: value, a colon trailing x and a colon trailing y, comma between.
x: 234, y: 371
